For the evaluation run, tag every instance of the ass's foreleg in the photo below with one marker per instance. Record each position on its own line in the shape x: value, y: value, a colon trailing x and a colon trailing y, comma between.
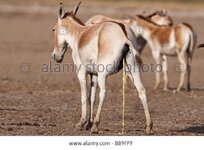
x: 165, y: 69
x: 82, y: 80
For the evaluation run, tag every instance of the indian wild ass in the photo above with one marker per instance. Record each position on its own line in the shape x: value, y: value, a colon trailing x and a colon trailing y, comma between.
x: 179, y: 40
x: 99, y: 45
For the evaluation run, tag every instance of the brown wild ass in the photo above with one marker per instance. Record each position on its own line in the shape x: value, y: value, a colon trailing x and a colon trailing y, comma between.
x: 179, y: 40
x: 93, y: 47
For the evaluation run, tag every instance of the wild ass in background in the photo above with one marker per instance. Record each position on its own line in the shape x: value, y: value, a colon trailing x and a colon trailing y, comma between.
x: 179, y: 40
x: 103, y: 44
x: 159, y: 17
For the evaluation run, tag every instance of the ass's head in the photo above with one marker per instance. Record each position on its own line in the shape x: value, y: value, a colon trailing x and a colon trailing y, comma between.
x: 61, y: 32
x: 161, y: 18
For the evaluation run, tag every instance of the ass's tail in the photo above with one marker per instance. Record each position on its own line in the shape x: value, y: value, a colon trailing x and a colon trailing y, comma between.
x: 192, y: 44
x: 135, y: 53
x: 200, y: 46
x: 190, y: 49
x: 189, y: 52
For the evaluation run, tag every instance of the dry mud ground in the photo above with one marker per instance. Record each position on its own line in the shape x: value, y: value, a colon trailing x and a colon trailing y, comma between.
x: 37, y: 103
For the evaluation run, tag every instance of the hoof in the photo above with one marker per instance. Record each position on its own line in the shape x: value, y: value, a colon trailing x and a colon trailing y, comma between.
x: 166, y: 89
x: 149, y: 130
x: 88, y: 125
x: 80, y: 126
x: 188, y: 90
x: 178, y: 90
x: 174, y: 91
x: 94, y: 129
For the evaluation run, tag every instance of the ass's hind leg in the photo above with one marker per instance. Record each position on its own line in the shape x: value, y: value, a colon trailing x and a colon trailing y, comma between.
x: 92, y: 97
x: 165, y: 70
x: 102, y: 94
x: 188, y: 86
x: 135, y: 73
x: 156, y: 56
x: 183, y: 67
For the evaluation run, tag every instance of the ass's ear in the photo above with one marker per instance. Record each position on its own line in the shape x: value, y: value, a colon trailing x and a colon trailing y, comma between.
x: 76, y: 8
x: 61, y: 12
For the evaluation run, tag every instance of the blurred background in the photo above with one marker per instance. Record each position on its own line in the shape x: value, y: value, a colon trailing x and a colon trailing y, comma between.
x: 105, y: 2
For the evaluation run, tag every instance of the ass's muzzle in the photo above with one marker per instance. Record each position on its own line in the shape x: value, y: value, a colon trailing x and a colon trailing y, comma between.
x: 59, y: 57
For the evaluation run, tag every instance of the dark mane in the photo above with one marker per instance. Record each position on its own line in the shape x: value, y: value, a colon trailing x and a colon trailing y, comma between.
x: 153, y: 14
x: 78, y: 20
x: 161, y: 14
x: 147, y: 19
x: 70, y: 14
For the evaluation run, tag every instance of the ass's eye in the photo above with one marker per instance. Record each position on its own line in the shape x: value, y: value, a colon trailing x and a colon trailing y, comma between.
x: 53, y: 30
x: 62, y: 31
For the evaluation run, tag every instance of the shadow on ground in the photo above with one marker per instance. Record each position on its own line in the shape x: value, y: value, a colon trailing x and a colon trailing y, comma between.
x: 197, y: 129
